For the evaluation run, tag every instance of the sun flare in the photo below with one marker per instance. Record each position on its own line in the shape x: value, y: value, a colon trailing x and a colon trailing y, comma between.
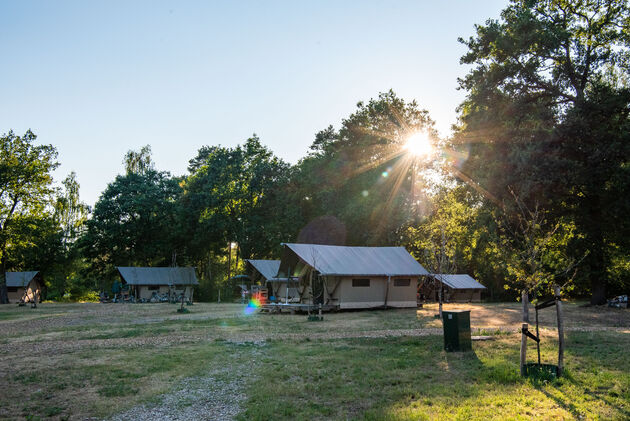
x: 419, y: 144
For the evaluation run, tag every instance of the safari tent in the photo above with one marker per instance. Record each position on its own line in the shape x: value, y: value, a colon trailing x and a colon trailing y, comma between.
x: 24, y: 286
x: 173, y: 281
x: 351, y: 277
x: 457, y: 288
x: 264, y: 273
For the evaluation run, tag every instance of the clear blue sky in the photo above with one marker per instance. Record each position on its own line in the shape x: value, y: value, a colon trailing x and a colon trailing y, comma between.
x: 96, y: 79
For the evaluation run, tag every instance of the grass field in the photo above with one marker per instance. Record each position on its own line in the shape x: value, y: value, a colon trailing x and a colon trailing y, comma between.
x: 145, y: 361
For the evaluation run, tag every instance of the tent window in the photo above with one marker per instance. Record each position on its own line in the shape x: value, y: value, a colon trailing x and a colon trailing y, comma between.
x: 154, y: 287
x: 402, y: 282
x: 12, y: 289
x: 360, y: 282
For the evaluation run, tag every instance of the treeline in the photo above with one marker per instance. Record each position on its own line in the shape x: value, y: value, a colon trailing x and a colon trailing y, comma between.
x: 531, y: 189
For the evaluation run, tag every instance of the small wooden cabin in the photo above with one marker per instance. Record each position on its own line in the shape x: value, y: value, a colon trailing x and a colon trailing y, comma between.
x: 24, y: 286
x: 351, y: 277
x: 172, y: 281
x: 458, y: 288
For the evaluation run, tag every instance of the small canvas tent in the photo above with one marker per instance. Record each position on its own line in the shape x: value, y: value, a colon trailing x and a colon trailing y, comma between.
x: 352, y: 277
x: 24, y: 286
x: 145, y: 281
x: 457, y: 287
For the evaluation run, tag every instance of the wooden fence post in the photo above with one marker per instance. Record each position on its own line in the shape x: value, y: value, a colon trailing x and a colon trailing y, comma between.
x: 560, y: 330
x: 523, y: 348
x: 525, y: 300
x: 524, y: 327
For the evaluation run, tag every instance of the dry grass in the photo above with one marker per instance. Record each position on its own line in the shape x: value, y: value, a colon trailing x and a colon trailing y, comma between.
x: 72, y: 361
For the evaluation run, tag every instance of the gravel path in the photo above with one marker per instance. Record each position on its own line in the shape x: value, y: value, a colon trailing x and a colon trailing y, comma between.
x: 216, y: 396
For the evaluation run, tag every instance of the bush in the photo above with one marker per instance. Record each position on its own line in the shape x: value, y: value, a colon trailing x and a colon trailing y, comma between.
x: 88, y: 297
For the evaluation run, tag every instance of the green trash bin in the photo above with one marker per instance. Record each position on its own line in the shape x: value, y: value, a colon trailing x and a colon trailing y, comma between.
x: 456, y: 330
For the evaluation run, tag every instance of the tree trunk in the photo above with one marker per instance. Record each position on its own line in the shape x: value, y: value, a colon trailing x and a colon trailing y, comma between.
x: 596, y: 259
x: 4, y: 295
x: 598, y: 291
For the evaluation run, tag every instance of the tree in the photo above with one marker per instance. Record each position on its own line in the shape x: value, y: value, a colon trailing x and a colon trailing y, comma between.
x: 361, y: 174
x: 71, y: 213
x: 25, y: 190
x: 238, y: 195
x: 134, y: 222
x: 139, y: 162
x: 531, y: 119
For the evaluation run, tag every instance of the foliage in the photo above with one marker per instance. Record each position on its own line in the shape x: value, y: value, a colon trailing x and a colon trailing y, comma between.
x: 361, y: 174
x: 546, y: 121
x: 133, y: 223
x: 546, y: 116
x: 25, y: 196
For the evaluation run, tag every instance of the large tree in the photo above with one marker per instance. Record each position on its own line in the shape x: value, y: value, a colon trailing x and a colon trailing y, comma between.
x: 134, y: 221
x: 25, y: 191
x: 536, y: 120
x: 362, y: 175
x: 238, y: 195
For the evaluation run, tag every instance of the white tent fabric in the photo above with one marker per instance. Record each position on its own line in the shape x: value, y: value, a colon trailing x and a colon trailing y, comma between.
x: 267, y: 268
x: 358, y: 261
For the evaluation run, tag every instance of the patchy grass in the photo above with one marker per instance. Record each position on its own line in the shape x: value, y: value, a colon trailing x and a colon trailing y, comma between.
x: 72, y: 361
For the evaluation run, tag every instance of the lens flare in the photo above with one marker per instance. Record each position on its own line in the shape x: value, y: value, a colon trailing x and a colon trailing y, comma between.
x: 419, y: 144
x: 252, y: 306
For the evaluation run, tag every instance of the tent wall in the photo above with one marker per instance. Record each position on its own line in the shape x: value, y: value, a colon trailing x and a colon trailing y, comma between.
x: 463, y: 295
x: 348, y: 294
x: 33, y: 288
x: 430, y: 293
x: 15, y: 294
x: 145, y: 291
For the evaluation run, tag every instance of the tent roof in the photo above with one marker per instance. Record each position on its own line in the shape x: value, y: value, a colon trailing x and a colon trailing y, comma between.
x: 20, y: 279
x: 268, y: 269
x: 461, y: 281
x: 158, y: 276
x: 358, y: 261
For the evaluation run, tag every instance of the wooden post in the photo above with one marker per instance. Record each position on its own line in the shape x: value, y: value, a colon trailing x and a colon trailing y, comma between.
x: 538, y: 336
x: 525, y: 300
x: 523, y: 349
x: 556, y: 290
x: 441, y: 297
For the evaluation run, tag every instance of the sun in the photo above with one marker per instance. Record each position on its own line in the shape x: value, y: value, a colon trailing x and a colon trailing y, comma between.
x: 419, y: 144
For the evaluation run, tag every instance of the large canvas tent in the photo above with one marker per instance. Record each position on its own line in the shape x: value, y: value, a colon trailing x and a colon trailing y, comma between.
x: 24, y: 286
x: 457, y: 287
x: 144, y: 281
x: 351, y: 277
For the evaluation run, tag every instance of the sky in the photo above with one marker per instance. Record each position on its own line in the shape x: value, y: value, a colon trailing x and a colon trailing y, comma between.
x: 96, y: 79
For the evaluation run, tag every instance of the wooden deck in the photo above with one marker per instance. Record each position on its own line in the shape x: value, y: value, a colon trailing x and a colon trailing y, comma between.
x: 296, y: 308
